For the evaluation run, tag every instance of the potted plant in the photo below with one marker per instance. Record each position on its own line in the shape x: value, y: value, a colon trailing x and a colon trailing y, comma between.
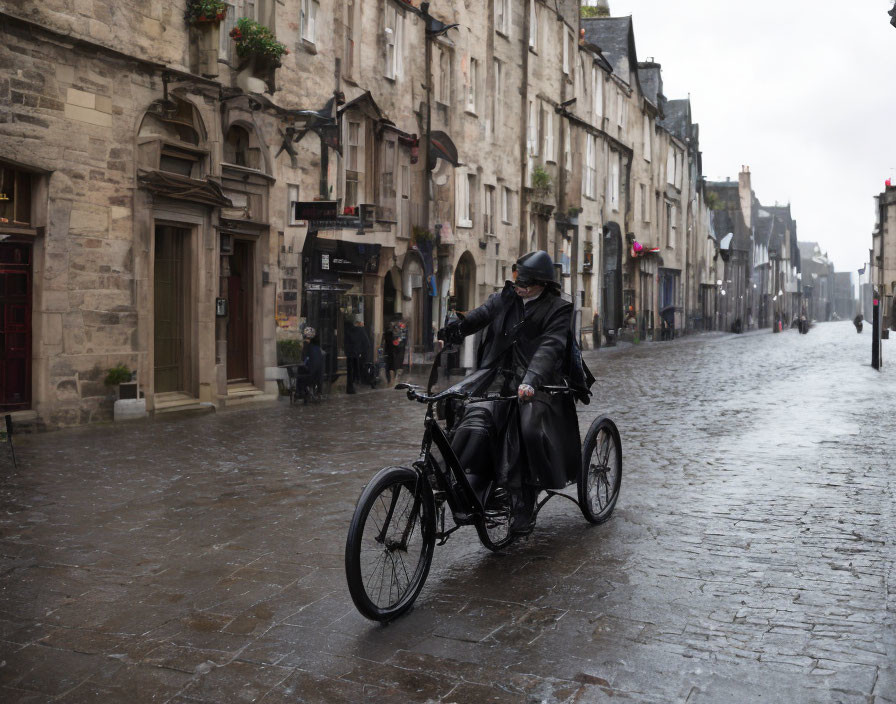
x: 123, y: 378
x: 256, y: 42
x: 541, y: 181
x: 206, y: 11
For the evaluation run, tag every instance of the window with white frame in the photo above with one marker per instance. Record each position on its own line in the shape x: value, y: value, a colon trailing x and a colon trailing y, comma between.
x: 533, y: 26
x: 502, y: 17
x: 387, y: 179
x: 309, y: 20
x: 292, y: 197
x: 547, y: 127
x: 354, y: 162
x: 394, y: 36
x: 472, y: 79
x: 532, y: 131
x: 589, y: 175
x: 466, y: 188
x: 670, y: 166
x: 613, y: 183
x: 597, y: 94
x: 506, y: 205
x: 646, y: 137
x: 488, y: 211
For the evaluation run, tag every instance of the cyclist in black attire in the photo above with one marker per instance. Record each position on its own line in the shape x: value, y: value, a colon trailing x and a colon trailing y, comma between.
x: 527, y: 342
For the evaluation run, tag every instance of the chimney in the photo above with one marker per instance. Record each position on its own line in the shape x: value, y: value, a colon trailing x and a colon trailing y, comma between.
x: 745, y: 191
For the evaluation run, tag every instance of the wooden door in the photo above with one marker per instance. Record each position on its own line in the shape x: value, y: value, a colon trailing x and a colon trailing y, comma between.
x: 15, y: 326
x: 239, y: 288
x: 169, y: 309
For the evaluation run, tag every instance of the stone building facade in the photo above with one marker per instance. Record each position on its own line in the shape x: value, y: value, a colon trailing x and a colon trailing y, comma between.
x: 883, y: 252
x: 179, y: 207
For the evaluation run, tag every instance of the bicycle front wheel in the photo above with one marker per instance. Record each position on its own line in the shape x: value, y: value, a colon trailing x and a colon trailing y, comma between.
x: 390, y: 543
x: 601, y: 474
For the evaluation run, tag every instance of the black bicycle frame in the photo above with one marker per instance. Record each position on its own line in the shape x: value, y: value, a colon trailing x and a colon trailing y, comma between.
x: 463, y: 501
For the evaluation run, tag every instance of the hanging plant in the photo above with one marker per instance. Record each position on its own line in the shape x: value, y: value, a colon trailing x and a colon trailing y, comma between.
x: 255, y: 40
x: 206, y: 11
x: 421, y: 235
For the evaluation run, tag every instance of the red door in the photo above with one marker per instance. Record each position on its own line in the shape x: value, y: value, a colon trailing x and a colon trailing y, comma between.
x: 15, y: 326
x: 239, y: 286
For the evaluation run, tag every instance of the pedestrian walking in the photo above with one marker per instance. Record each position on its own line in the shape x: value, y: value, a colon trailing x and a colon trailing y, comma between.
x: 393, y: 350
x: 355, y: 345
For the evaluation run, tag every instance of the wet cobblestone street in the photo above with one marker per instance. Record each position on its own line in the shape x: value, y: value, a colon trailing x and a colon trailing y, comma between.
x: 750, y: 556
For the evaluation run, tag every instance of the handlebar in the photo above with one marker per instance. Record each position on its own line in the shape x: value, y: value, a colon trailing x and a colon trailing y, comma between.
x: 414, y: 394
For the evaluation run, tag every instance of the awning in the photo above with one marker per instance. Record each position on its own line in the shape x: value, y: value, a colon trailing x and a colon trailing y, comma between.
x: 441, y: 147
x: 180, y: 187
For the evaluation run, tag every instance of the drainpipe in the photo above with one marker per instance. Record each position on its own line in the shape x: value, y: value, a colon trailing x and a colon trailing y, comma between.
x: 524, y: 132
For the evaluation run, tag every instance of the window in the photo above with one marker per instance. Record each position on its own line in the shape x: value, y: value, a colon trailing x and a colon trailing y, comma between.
x: 502, y: 16
x: 670, y: 166
x: 354, y: 163
x: 444, y: 85
x: 670, y: 225
x: 236, y: 148
x: 621, y: 111
x: 613, y: 184
x: 567, y: 147
x: 15, y: 196
x: 566, y: 43
x: 472, y: 79
x: 235, y: 10
x: 589, y: 177
x: 488, y: 211
x: 466, y: 189
x: 387, y: 184
x: 394, y: 31
x: 533, y: 26
x: 471, y: 196
x: 348, y: 59
x: 547, y: 126
x: 292, y: 197
x: 597, y: 94
x: 506, y: 206
x: 647, y: 137
x: 497, y: 94
x: 532, y: 135
x: 679, y: 167
x: 645, y: 204
x: 309, y: 20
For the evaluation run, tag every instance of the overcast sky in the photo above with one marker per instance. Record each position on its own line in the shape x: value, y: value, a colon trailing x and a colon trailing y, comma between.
x: 802, y: 92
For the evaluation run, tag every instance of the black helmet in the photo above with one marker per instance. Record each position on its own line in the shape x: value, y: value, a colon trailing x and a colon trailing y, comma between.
x: 535, y: 268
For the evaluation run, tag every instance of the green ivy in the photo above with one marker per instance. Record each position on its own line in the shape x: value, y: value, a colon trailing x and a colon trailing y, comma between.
x: 541, y: 180
x: 592, y: 11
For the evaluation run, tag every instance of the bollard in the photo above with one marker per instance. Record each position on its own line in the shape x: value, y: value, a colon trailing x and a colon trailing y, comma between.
x: 875, y: 334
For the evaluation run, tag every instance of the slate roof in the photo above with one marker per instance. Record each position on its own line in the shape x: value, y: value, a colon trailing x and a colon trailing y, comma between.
x: 651, y: 78
x: 677, y: 118
x: 615, y: 37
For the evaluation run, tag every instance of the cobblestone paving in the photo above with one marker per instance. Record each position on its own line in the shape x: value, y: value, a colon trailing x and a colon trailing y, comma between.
x: 750, y: 557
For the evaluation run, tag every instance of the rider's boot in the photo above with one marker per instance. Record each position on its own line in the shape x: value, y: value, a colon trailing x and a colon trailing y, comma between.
x: 522, y: 503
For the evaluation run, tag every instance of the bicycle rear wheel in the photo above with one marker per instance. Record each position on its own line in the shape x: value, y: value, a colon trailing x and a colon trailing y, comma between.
x: 390, y: 543
x: 601, y: 475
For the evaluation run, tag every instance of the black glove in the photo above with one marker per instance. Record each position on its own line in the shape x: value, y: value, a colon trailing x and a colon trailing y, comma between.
x: 451, y: 334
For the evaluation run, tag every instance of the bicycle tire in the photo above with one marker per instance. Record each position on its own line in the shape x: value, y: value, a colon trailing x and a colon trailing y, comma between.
x: 494, y: 527
x: 600, y: 477
x: 373, y: 551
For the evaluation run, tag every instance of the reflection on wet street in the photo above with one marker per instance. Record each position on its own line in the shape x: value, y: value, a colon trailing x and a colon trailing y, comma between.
x: 750, y: 557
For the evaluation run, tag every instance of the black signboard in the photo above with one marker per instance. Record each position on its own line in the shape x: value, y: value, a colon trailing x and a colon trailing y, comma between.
x: 315, y: 210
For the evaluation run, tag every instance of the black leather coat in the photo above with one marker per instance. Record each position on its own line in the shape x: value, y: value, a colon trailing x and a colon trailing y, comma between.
x: 533, y: 341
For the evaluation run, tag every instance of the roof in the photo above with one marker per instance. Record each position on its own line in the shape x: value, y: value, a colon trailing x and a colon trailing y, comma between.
x: 651, y: 78
x: 677, y: 118
x: 616, y: 38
